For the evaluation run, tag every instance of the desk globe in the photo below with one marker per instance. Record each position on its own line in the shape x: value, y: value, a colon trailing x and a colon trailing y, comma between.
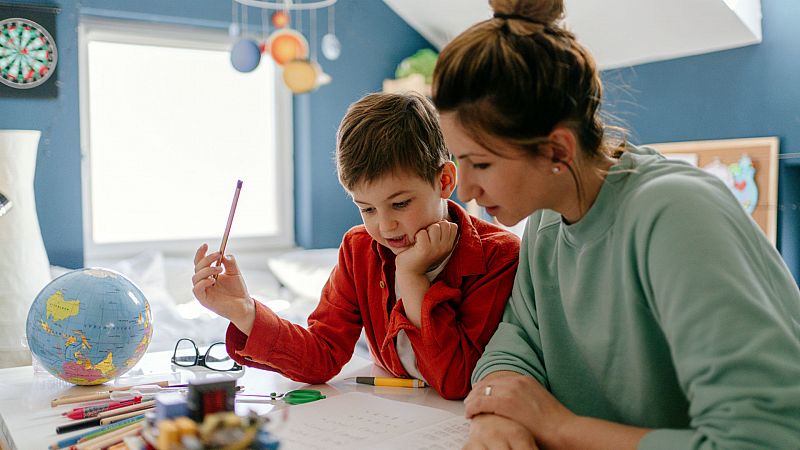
x: 89, y: 326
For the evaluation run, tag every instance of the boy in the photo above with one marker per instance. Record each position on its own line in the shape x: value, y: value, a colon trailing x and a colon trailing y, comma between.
x: 427, y: 282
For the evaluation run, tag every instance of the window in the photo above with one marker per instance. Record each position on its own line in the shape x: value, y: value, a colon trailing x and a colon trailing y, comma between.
x: 167, y: 127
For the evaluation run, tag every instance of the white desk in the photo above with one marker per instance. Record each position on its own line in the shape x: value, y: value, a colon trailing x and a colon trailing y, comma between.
x: 28, y: 422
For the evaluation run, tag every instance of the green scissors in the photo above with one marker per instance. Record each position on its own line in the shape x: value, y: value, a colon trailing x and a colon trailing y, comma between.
x: 298, y: 396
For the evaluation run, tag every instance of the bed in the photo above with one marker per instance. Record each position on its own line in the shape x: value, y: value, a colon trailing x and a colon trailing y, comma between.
x: 289, y: 283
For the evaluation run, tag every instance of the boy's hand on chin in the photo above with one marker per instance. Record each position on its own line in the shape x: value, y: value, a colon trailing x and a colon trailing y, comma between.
x: 431, y: 247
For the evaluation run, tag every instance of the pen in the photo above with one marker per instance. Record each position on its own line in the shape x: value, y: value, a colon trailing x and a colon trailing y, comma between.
x: 392, y: 382
x: 228, y: 225
x: 85, y: 412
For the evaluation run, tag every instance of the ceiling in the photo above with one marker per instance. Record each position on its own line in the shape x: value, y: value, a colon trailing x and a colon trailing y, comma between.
x: 619, y: 33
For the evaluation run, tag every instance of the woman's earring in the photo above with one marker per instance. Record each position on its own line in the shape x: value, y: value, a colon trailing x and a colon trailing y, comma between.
x: 556, y: 169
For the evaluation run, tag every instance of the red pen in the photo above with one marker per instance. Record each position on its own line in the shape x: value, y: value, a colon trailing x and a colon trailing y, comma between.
x: 94, y: 410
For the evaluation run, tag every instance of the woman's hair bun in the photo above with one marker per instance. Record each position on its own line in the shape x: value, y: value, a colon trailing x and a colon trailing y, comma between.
x: 540, y: 11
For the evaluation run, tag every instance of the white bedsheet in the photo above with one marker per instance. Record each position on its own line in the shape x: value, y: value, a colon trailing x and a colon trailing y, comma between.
x: 166, y: 283
x: 289, y: 283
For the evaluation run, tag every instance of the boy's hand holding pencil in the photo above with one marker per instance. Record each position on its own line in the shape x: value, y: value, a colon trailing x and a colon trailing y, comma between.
x: 227, y: 295
x: 218, y: 284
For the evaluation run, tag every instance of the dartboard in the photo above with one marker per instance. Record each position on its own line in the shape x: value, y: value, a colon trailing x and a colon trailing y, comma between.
x: 27, y: 53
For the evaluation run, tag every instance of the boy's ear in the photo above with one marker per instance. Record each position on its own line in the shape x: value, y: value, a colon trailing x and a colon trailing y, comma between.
x: 447, y: 179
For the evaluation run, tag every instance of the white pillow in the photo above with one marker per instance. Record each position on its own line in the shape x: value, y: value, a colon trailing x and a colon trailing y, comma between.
x: 304, y: 272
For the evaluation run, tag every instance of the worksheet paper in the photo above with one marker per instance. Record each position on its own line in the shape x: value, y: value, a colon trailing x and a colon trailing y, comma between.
x: 362, y: 421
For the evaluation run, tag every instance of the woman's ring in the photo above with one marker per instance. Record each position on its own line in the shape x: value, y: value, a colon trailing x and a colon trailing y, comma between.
x: 487, y: 391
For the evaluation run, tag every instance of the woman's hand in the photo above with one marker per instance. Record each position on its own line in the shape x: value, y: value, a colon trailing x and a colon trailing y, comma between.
x: 489, y: 431
x: 522, y: 399
x: 227, y: 295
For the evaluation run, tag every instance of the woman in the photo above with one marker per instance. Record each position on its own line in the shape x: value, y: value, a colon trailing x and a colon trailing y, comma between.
x: 648, y: 310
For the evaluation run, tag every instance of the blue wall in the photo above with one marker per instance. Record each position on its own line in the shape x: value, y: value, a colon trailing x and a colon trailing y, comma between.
x: 751, y: 91
x: 373, y: 40
x: 747, y: 92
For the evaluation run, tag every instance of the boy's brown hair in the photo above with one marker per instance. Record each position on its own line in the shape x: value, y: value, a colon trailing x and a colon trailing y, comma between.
x: 389, y: 133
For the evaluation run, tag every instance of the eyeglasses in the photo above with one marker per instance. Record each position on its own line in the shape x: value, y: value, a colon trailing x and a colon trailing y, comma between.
x: 216, y: 357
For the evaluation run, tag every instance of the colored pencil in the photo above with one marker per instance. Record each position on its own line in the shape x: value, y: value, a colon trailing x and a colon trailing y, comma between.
x: 85, y: 412
x: 74, y: 439
x: 105, y: 441
x: 127, y: 409
x: 104, y: 417
x: 78, y: 398
x: 111, y: 427
x: 114, y: 419
x: 228, y: 224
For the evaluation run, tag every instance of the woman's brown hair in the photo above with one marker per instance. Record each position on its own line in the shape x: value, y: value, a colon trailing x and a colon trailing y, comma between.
x: 518, y: 75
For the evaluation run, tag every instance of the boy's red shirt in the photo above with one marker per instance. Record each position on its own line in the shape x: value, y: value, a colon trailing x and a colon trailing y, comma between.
x: 460, y: 312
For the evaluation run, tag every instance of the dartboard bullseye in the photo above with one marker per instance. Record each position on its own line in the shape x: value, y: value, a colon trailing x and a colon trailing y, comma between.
x: 28, y: 53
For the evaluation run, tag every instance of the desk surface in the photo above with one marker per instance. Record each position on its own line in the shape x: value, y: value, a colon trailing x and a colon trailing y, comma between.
x: 27, y: 421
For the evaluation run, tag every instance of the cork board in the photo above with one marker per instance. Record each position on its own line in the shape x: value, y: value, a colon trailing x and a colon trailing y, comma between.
x: 764, y: 154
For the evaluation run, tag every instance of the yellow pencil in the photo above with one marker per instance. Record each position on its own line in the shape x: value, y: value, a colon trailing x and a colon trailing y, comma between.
x: 392, y: 382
